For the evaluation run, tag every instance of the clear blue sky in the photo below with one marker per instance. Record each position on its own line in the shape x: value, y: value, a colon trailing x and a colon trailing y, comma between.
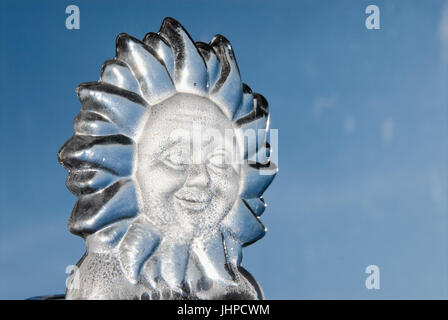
x: 362, y: 118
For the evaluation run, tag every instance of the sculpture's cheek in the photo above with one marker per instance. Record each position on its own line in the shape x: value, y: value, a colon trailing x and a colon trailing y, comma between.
x: 157, y: 178
x: 225, y: 184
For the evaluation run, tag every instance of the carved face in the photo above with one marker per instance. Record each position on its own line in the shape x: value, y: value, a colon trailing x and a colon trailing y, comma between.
x: 187, y: 167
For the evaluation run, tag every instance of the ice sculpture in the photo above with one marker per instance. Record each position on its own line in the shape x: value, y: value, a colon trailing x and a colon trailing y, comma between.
x: 169, y: 160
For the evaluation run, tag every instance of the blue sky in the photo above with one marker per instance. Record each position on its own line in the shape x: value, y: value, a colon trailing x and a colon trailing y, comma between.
x: 362, y: 119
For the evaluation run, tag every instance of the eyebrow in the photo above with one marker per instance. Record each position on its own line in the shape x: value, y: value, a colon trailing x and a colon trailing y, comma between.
x: 163, y: 149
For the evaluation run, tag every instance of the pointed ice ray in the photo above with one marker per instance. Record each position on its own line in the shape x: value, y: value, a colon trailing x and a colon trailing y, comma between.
x: 137, y: 245
x: 257, y: 205
x: 163, y: 50
x: 255, y: 124
x: 243, y: 225
x: 212, y: 259
x: 94, y: 211
x: 190, y: 72
x: 126, y: 111
x: 150, y: 270
x: 247, y: 105
x: 228, y: 89
x: 174, y: 268
x: 94, y: 124
x: 212, y: 62
x: 233, y: 249
x: 108, y: 237
x: 193, y: 274
x: 108, y: 152
x: 117, y: 73
x: 255, y: 182
x: 263, y: 154
x: 155, y: 82
x: 86, y: 181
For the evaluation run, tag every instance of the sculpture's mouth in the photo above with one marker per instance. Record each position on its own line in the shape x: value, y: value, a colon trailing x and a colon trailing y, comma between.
x: 192, y: 202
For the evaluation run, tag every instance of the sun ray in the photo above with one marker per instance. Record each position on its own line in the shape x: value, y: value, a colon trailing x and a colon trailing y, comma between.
x: 228, y: 89
x: 190, y: 71
x: 117, y: 73
x: 139, y: 242
x: 125, y: 109
x: 163, y: 50
x: 95, y: 211
x: 243, y: 225
x: 256, y: 205
x: 153, y: 77
x: 87, y: 181
x: 212, y: 62
x: 254, y: 183
x: 247, y: 104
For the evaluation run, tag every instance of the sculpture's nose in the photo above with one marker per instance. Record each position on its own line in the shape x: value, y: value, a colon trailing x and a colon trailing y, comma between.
x: 197, y: 176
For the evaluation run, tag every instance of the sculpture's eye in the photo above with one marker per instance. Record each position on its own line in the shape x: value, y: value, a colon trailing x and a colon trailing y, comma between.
x: 220, y: 160
x: 176, y: 159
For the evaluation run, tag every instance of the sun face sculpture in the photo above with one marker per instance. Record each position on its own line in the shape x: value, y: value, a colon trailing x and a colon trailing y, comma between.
x: 169, y: 160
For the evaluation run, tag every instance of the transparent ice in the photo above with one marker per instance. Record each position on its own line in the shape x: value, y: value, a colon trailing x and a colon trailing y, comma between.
x: 159, y: 161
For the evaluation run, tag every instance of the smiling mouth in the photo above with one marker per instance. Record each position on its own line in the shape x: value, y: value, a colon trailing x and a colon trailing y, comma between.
x: 192, y: 204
